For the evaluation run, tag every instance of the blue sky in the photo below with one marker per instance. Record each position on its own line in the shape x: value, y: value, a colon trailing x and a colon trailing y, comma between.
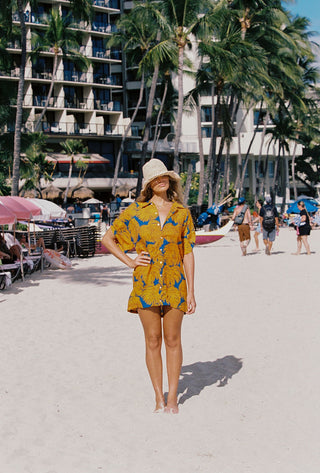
x: 308, y: 8
x: 311, y: 10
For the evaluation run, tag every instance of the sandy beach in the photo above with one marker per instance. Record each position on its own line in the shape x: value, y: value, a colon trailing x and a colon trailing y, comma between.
x: 75, y: 392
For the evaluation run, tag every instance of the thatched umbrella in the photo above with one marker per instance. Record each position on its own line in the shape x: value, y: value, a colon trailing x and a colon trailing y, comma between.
x: 52, y: 192
x: 123, y: 190
x: 79, y: 192
x: 30, y: 193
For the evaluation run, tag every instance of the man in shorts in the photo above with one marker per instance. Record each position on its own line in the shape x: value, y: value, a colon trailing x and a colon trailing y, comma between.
x: 269, y: 221
x: 242, y: 217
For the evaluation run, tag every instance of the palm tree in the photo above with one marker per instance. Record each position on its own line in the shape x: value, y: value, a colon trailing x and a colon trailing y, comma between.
x: 34, y: 164
x: 141, y: 41
x: 184, y: 18
x: 71, y: 148
x: 63, y: 41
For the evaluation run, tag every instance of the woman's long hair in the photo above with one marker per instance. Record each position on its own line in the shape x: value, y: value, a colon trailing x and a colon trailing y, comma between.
x: 174, y: 193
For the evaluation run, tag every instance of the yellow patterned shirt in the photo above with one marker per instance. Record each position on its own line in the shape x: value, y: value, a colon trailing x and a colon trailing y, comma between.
x: 163, y: 281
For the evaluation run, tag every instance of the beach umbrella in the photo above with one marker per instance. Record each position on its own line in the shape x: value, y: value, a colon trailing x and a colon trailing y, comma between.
x: 52, y: 192
x: 20, y: 207
x: 309, y: 199
x: 6, y: 216
x: 293, y: 209
x: 49, y: 210
x: 92, y: 201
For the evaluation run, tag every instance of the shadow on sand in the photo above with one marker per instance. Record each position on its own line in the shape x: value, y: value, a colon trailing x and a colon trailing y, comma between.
x: 195, y: 377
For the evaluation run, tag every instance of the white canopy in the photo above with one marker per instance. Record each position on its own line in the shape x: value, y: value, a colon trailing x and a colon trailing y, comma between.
x: 49, y: 210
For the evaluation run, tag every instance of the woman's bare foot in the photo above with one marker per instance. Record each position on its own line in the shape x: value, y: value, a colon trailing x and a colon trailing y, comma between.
x: 171, y: 408
x: 159, y: 406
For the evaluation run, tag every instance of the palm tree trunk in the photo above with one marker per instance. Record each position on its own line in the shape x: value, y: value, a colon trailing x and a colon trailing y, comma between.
x: 293, y: 162
x: 263, y: 135
x: 212, y: 149
x: 19, y: 111
x: 156, y: 133
x: 146, y: 135
x: 118, y: 159
x: 176, y: 160
x: 201, y: 155
x: 188, y: 184
x: 239, y: 159
x: 246, y: 159
x: 53, y: 80
x: 69, y: 181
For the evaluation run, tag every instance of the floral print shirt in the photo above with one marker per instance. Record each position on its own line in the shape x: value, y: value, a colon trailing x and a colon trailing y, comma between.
x: 163, y: 281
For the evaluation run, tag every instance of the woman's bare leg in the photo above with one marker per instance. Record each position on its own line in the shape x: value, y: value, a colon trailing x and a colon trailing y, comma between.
x: 256, y: 239
x: 299, y: 245
x: 305, y: 242
x: 151, y: 322
x: 172, y: 337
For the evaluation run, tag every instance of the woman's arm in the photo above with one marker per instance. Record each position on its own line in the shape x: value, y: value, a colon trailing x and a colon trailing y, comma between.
x: 109, y: 241
x: 188, y: 262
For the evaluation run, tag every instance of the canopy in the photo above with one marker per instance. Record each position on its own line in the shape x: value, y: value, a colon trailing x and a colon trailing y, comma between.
x: 293, y: 209
x: 22, y: 208
x: 49, y: 210
x: 89, y: 158
x: 6, y: 216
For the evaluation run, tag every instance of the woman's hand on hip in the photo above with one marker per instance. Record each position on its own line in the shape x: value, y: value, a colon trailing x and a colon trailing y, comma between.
x: 143, y: 259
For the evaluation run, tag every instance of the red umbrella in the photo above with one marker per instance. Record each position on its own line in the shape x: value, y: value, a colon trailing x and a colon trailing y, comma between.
x: 6, y: 216
x: 20, y: 207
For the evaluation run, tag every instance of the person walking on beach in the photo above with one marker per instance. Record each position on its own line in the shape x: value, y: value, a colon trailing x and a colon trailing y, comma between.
x: 161, y: 230
x: 303, y: 229
x: 258, y: 231
x: 242, y: 217
x: 269, y: 220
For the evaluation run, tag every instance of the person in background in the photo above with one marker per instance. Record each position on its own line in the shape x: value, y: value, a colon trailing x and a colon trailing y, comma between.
x: 38, y: 245
x: 258, y: 231
x: 242, y: 218
x: 303, y: 229
x: 269, y: 220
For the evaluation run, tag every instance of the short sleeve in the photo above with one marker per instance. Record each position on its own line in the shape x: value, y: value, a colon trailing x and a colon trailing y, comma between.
x: 188, y: 234
x: 120, y: 229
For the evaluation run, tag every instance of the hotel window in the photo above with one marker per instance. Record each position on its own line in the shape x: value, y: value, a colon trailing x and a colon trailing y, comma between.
x: 206, y: 114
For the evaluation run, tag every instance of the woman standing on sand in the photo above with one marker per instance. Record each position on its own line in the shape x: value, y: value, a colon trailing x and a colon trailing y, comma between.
x: 161, y: 230
x: 303, y: 229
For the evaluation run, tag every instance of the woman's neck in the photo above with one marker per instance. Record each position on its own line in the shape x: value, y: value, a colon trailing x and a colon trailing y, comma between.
x: 160, y: 199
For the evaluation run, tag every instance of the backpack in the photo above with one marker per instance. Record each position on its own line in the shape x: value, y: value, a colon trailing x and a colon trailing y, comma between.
x: 239, y: 218
x: 269, y: 219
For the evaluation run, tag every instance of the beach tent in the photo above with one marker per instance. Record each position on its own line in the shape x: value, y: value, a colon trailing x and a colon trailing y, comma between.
x: 22, y: 208
x: 49, y: 210
x: 293, y: 209
x: 6, y: 216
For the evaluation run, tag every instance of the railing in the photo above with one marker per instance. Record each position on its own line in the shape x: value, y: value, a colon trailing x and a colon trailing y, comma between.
x: 100, y: 27
x: 15, y: 72
x: 99, y: 78
x: 66, y: 128
x: 75, y: 76
x: 14, y: 44
x: 80, y: 103
x: 107, y: 4
x: 46, y: 75
x: 112, y: 106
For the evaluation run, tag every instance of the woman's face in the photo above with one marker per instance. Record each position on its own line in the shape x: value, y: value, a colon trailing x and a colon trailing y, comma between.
x: 160, y: 184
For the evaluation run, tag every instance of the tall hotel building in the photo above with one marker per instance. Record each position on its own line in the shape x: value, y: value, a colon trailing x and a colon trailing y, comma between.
x: 86, y: 105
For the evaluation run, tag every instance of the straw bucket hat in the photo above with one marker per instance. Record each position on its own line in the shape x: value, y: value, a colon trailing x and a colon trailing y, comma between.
x: 156, y: 168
